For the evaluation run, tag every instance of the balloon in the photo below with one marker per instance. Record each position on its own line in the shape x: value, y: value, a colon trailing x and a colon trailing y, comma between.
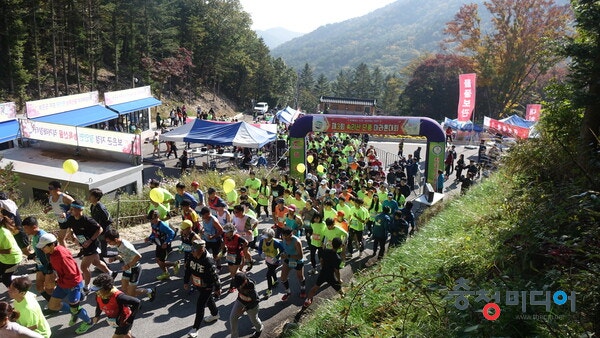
x: 70, y: 166
x: 228, y: 185
x: 320, y: 168
x: 300, y: 167
x: 156, y: 195
x: 310, y: 159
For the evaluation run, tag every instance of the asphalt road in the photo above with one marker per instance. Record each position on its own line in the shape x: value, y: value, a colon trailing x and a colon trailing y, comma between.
x: 172, y: 313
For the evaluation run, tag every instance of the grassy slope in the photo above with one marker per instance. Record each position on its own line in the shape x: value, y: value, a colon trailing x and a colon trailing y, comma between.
x: 498, y: 238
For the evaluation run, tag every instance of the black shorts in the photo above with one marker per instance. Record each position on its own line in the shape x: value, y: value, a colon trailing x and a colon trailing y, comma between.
x: 335, y: 284
x: 133, y: 274
x: 90, y: 250
x: 123, y: 330
x: 161, y: 254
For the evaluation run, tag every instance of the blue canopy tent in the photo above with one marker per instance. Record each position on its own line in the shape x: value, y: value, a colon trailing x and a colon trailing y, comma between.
x: 462, y: 125
x: 240, y: 134
x: 287, y: 115
x: 518, y: 121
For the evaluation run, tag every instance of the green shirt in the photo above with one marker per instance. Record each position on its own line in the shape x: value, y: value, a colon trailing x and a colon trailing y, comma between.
x: 329, y: 235
x: 31, y: 315
x: 359, y: 217
x: 252, y: 185
x: 316, y: 239
x: 7, y: 241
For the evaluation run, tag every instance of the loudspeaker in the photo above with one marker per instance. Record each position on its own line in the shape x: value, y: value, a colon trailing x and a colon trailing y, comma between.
x: 428, y: 192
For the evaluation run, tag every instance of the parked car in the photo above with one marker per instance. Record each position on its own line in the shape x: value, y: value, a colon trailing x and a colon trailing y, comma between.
x: 261, y: 108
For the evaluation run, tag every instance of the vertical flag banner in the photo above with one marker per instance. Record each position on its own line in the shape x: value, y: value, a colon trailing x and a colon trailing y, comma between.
x: 466, y: 99
x: 533, y: 112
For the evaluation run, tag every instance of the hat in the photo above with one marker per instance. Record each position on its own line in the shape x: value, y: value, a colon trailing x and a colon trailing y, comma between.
x: 195, y: 184
x: 77, y: 204
x: 186, y: 224
x: 229, y: 227
x: 370, y: 181
x: 332, y: 191
x: 198, y: 243
x: 391, y: 195
x: 46, y: 239
x: 323, y: 181
x: 238, y: 279
x: 292, y: 207
x: 341, y: 213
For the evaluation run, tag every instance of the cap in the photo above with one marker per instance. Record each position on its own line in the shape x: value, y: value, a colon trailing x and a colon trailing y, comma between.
x: 323, y: 181
x: 46, y: 239
x: 77, y: 204
x: 341, y: 213
x: 198, y: 243
x: 292, y: 207
x: 238, y: 280
x: 370, y: 181
x: 195, y: 184
x: 390, y: 195
x: 186, y: 224
x: 228, y: 227
x: 332, y: 191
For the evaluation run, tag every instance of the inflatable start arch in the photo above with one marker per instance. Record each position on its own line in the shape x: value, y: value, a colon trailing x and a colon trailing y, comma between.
x: 372, y: 125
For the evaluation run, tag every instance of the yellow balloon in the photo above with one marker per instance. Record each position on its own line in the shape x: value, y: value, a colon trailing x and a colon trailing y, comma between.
x: 310, y: 159
x: 300, y: 167
x: 320, y: 168
x: 228, y: 185
x: 70, y: 166
x: 156, y: 195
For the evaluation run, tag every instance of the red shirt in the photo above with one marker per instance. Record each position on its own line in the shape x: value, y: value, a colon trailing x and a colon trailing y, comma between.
x: 66, y: 268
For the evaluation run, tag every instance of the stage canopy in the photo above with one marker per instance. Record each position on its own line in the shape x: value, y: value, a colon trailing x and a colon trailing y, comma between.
x: 239, y: 134
x: 462, y: 125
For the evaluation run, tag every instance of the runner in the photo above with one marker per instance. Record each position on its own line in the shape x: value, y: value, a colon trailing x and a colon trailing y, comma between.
x: 332, y: 231
x: 235, y: 249
x: 30, y: 312
x: 10, y: 329
x: 316, y: 240
x: 10, y: 254
x: 247, y: 301
x: 330, y: 271
x: 212, y: 235
x: 357, y: 226
x: 44, y: 275
x: 162, y: 235
x: 132, y: 269
x: 200, y: 270
x: 58, y: 203
x: 271, y: 249
x: 293, y: 260
x: 120, y: 309
x: 69, y: 283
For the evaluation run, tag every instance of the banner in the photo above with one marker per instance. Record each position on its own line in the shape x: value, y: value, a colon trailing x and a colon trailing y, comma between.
x: 381, y: 125
x: 82, y: 137
x: 533, y: 112
x: 8, y: 111
x: 50, y: 132
x: 466, y: 99
x: 61, y: 104
x: 505, y: 128
x: 127, y: 95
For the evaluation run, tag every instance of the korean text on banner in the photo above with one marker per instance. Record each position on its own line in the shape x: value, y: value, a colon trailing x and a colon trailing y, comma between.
x: 466, y: 100
x: 533, y: 112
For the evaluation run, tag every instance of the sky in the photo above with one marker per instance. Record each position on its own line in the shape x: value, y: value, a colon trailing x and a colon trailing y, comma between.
x: 304, y: 16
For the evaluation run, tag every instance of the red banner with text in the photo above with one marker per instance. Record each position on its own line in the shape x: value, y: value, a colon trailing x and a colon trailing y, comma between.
x: 466, y: 99
x: 533, y: 112
x: 506, y: 129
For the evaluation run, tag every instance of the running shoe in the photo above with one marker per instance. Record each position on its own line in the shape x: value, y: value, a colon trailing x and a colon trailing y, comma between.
x: 152, y: 295
x: 256, y: 334
x: 267, y: 294
x: 83, y: 328
x: 211, y: 318
x: 285, y: 296
x: 73, y: 319
x: 163, y: 276
x: 176, y: 268
x: 193, y: 333
x: 307, y: 303
x: 303, y: 294
x: 275, y: 284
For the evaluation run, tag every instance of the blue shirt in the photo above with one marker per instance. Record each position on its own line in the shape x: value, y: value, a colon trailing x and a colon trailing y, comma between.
x: 186, y: 196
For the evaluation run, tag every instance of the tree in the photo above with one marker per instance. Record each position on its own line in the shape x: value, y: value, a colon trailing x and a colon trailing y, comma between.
x: 361, y: 82
x: 584, y: 51
x: 391, y: 94
x: 515, y: 52
x: 342, y: 87
x: 323, y: 87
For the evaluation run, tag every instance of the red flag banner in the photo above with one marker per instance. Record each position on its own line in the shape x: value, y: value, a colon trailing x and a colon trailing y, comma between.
x: 506, y: 129
x: 533, y: 112
x: 466, y: 100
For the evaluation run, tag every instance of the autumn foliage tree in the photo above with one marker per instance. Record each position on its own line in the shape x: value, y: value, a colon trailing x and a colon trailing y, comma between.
x: 511, y: 52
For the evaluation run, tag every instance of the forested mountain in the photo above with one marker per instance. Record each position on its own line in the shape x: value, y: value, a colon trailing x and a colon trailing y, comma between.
x: 388, y: 38
x: 274, y: 37
x: 61, y: 47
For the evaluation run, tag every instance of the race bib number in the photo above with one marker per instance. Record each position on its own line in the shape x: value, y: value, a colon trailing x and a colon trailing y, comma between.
x: 307, y: 223
x: 197, y: 281
x: 316, y: 237
x: 230, y: 258
x: 292, y: 264
x: 186, y: 247
x: 81, y: 239
x: 112, y: 322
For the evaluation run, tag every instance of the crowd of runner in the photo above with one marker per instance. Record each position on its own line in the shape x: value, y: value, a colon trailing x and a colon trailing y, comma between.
x: 347, y: 203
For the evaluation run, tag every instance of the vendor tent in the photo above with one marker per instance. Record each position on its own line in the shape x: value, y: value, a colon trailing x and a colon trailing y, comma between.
x: 462, y: 125
x: 287, y: 115
x: 240, y: 134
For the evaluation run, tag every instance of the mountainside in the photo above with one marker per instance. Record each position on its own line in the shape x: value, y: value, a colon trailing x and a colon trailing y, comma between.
x: 390, y: 37
x: 274, y: 37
